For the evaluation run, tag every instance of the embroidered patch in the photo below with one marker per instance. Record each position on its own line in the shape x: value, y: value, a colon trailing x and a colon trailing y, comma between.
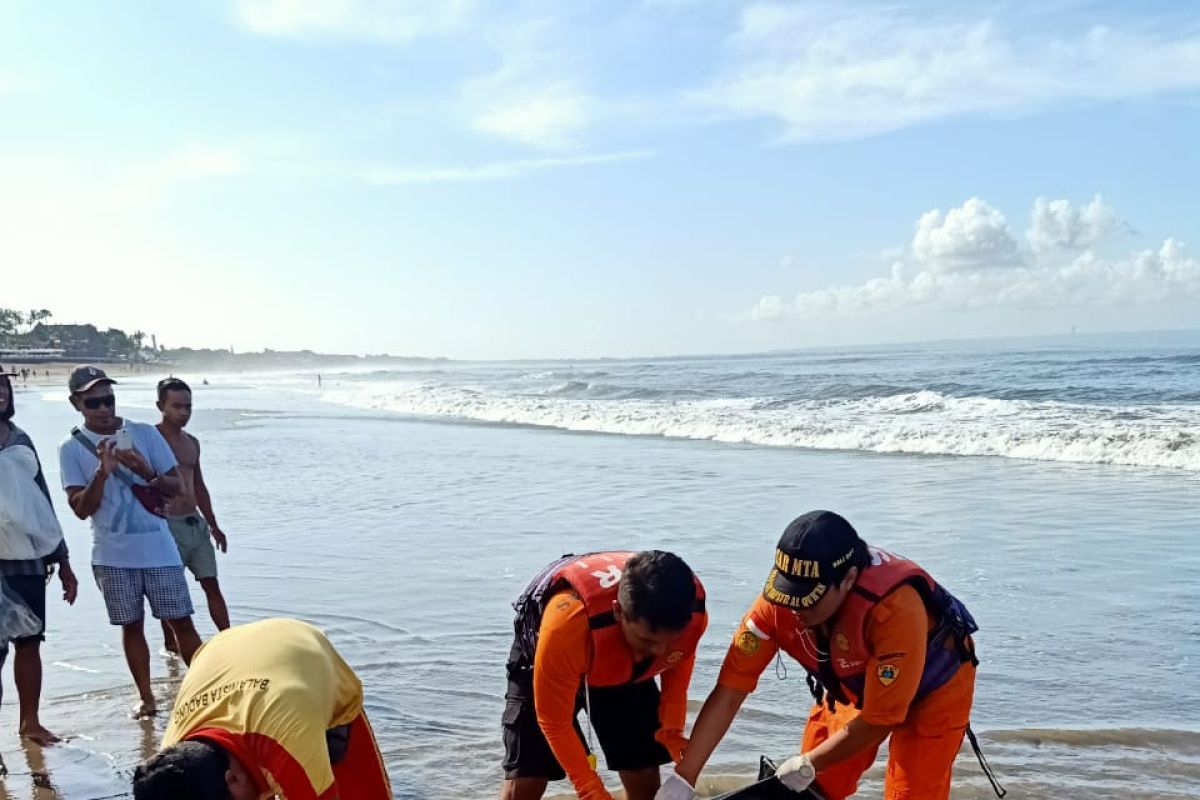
x: 842, y: 642
x: 887, y: 673
x: 674, y: 656
x: 563, y: 605
x: 747, y: 643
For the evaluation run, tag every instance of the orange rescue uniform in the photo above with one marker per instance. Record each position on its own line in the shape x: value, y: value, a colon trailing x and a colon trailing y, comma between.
x: 564, y: 655
x: 926, y: 735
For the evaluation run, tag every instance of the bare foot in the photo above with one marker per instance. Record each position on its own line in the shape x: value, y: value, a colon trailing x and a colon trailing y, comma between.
x: 145, y: 709
x: 37, y: 734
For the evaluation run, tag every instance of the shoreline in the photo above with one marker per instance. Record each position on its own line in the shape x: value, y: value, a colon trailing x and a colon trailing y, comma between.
x: 50, y: 375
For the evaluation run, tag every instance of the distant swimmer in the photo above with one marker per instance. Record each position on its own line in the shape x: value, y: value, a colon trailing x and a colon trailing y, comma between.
x: 887, y: 650
x: 592, y: 633
x: 267, y: 709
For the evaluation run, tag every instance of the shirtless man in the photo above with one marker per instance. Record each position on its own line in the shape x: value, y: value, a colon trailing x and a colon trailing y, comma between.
x: 192, y: 519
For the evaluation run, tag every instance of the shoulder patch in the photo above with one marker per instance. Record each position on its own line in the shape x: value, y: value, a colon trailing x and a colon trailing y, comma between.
x: 887, y: 673
x: 747, y: 643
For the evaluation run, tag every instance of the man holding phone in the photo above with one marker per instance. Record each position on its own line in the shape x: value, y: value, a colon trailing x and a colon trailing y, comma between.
x: 120, y: 474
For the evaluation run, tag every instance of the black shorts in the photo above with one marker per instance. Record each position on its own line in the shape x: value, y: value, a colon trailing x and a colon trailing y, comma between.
x: 31, y: 591
x: 625, y: 719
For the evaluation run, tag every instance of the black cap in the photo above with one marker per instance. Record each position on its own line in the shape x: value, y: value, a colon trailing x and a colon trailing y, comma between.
x: 85, y: 377
x: 814, y: 553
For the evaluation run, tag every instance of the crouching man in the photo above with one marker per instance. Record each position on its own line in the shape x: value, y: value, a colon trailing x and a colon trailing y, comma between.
x: 267, y: 709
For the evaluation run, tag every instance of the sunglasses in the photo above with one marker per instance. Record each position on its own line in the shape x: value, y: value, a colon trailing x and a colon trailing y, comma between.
x: 93, y: 403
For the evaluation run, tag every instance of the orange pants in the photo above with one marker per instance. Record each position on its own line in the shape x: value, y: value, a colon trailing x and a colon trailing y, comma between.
x: 922, y: 749
x: 361, y: 774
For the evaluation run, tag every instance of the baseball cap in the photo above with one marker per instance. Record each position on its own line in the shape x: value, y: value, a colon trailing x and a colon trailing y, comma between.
x: 814, y: 553
x: 85, y: 377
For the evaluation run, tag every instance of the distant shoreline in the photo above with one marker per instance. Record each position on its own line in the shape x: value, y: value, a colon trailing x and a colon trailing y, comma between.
x: 55, y: 374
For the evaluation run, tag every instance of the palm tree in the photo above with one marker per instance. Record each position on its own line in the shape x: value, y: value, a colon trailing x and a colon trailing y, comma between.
x: 35, y: 316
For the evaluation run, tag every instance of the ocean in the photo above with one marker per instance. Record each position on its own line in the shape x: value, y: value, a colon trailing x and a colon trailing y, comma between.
x: 1051, y: 484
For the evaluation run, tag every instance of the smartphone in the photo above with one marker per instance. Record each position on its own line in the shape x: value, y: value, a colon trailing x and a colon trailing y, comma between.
x: 124, y: 440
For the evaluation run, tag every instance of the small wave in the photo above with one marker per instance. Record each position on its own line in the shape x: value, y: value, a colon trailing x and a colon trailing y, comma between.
x: 1179, y: 741
x: 1178, y: 358
x: 567, y: 388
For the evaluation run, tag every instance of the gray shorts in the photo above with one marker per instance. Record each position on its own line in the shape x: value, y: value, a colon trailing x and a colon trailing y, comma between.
x: 124, y: 587
x: 194, y: 541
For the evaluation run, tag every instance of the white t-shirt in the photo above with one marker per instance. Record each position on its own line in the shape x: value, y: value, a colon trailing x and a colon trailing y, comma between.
x: 124, y: 534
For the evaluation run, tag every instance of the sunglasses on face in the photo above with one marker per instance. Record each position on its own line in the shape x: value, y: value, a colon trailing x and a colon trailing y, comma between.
x: 93, y: 403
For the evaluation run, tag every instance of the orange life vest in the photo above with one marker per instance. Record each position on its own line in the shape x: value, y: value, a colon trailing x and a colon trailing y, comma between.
x: 594, y: 578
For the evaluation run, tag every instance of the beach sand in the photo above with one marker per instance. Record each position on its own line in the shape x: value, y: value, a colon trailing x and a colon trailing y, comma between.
x: 49, y: 376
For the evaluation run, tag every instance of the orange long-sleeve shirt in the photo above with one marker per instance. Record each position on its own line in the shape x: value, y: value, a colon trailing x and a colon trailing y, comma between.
x: 896, y: 633
x: 562, y: 659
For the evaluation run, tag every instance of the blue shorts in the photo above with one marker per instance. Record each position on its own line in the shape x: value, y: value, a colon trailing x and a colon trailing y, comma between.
x: 30, y: 590
x: 124, y: 587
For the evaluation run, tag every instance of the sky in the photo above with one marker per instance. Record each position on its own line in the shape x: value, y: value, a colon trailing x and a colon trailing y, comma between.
x: 545, y: 179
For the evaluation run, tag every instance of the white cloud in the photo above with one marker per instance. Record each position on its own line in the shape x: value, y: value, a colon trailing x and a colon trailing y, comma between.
x: 833, y: 71
x: 954, y: 269
x: 387, y: 176
x: 973, y: 236
x: 535, y: 95
x: 391, y: 21
x: 549, y: 117
x: 769, y: 307
x: 1057, y: 225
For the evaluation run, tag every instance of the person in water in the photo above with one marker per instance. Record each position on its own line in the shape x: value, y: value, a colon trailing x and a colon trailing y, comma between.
x: 192, y: 521
x: 267, y: 709
x: 592, y: 632
x: 24, y: 579
x: 116, y: 473
x: 887, y: 650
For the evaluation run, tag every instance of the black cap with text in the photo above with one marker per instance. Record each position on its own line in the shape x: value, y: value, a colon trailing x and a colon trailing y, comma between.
x: 815, y: 552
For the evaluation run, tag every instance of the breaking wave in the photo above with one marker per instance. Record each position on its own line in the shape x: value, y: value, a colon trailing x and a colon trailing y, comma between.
x: 915, y: 422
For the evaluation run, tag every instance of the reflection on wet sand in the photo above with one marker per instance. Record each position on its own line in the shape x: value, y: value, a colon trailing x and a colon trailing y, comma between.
x: 100, y: 747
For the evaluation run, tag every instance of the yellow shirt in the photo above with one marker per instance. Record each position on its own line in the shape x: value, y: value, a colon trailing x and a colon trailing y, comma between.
x: 267, y: 692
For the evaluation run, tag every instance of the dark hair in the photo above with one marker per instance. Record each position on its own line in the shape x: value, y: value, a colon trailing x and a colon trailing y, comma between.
x: 192, y: 770
x: 862, y: 557
x: 10, y: 409
x: 171, y: 384
x: 658, y: 589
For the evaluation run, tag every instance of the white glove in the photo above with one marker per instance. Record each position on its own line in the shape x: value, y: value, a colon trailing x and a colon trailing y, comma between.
x: 796, y: 773
x: 675, y: 788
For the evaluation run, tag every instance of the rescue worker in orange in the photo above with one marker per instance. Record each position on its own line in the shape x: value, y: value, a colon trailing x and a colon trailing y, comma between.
x: 592, y: 633
x: 267, y: 710
x: 887, y: 650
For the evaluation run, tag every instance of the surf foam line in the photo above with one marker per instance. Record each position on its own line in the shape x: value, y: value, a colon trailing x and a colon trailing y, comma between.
x: 925, y: 422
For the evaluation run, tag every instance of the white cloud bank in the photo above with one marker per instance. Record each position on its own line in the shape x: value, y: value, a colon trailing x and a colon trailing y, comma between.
x: 968, y: 258
x: 836, y: 70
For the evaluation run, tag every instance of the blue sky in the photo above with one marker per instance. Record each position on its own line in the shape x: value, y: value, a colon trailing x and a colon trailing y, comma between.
x: 583, y: 179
